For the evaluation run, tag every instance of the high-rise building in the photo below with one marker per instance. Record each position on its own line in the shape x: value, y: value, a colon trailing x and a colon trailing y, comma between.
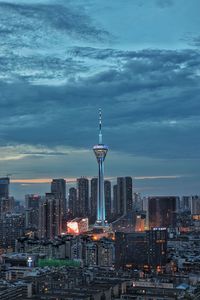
x: 32, y: 201
x: 4, y: 187
x: 162, y: 211
x: 130, y: 250
x: 93, y: 199
x: 72, y: 202
x: 50, y: 217
x: 115, y: 206
x: 6, y: 206
x: 107, y: 191
x: 58, y: 188
x: 32, y: 211
x: 195, y: 205
x: 100, y: 151
x: 157, y: 247
x: 124, y: 195
x: 82, y: 208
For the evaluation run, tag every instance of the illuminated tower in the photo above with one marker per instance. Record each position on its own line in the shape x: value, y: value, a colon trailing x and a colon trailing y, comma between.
x: 100, y: 151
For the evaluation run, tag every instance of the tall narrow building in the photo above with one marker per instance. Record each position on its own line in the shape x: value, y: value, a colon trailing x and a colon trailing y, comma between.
x: 107, y: 190
x: 93, y: 199
x: 4, y: 187
x: 82, y: 208
x: 100, y: 152
x: 162, y: 211
x: 58, y: 188
x: 72, y: 202
x: 124, y: 195
x: 50, y: 217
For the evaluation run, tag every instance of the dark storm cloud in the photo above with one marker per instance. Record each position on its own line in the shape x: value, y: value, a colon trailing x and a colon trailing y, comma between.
x: 148, y: 96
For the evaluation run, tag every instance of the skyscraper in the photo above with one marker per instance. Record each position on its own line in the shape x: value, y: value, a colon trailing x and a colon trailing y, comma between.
x: 100, y: 151
x: 58, y: 188
x: 72, y: 202
x: 93, y: 199
x: 124, y: 195
x: 4, y: 187
x: 162, y: 211
x: 50, y: 217
x: 107, y: 190
x: 82, y: 208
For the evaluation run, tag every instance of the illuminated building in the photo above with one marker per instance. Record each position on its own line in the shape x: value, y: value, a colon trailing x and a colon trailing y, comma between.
x: 162, y: 211
x: 140, y: 222
x: 77, y: 226
x: 157, y: 247
x: 100, y: 151
x: 130, y: 250
x: 82, y: 208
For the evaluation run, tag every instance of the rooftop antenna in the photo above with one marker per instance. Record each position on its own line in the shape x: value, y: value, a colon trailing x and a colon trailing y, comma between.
x: 100, y: 123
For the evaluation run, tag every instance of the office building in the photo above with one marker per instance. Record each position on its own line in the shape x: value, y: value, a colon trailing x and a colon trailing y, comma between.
x: 124, y: 195
x: 4, y: 187
x: 50, y: 217
x: 162, y: 211
x: 130, y: 250
x: 93, y: 199
x: 72, y: 203
x: 82, y: 208
x: 107, y: 192
x: 157, y: 248
x: 58, y: 188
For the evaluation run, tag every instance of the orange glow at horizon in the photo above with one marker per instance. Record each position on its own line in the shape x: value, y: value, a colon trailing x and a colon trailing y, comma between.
x: 40, y: 180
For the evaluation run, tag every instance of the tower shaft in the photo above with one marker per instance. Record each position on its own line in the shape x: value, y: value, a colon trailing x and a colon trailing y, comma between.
x: 100, y: 151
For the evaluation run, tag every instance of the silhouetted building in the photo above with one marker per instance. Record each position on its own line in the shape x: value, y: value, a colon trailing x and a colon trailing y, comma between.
x: 157, y: 248
x: 32, y: 201
x: 115, y: 210
x: 107, y: 193
x: 72, y: 202
x: 12, y: 226
x: 195, y: 205
x: 4, y: 187
x: 93, y: 199
x: 6, y: 206
x: 50, y: 217
x: 124, y: 195
x: 32, y: 211
x: 58, y: 188
x: 83, y: 197
x: 162, y: 211
x: 130, y: 250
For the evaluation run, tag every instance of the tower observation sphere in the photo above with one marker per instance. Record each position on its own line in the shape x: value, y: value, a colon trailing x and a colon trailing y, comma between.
x: 100, y: 151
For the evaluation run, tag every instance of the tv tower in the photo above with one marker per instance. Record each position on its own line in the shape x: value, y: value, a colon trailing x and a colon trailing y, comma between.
x: 100, y: 151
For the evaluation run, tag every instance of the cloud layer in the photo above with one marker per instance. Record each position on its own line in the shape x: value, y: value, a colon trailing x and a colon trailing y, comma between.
x: 59, y: 64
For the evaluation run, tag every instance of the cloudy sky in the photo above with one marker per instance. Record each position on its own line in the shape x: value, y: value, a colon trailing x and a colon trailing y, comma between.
x: 60, y: 60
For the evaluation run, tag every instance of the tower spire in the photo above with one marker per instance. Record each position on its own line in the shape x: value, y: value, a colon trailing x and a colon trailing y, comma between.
x: 100, y: 123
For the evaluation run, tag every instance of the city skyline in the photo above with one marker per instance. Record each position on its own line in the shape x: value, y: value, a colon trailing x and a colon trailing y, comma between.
x: 61, y: 61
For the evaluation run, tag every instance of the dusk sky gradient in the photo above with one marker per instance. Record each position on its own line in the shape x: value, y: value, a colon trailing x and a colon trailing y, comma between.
x: 139, y: 60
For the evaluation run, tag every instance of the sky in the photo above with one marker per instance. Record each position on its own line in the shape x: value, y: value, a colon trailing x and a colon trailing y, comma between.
x: 61, y: 60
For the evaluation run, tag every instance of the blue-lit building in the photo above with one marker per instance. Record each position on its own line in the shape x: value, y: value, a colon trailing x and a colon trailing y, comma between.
x: 100, y: 151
